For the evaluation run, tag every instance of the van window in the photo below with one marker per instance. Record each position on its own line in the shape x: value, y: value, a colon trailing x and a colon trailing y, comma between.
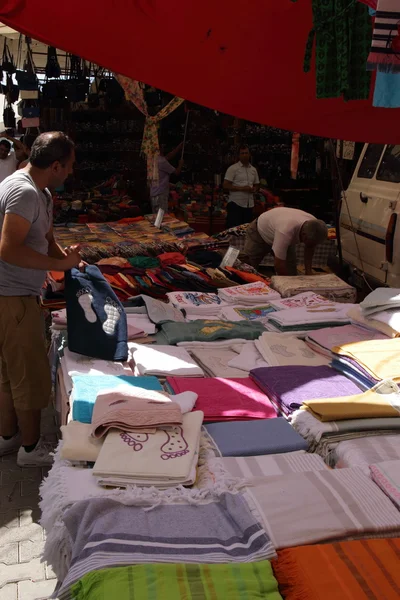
x: 389, y: 169
x: 370, y: 161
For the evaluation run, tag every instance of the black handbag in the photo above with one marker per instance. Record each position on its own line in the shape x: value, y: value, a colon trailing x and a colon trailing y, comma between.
x: 52, y: 69
x: 77, y: 86
x: 9, y: 117
x: 10, y: 90
x: 7, y: 63
x: 26, y: 78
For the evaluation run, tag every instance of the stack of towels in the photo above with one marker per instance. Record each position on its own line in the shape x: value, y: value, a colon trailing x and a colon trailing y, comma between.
x: 163, y: 361
x: 197, y: 305
x: 323, y: 340
x: 309, y: 318
x: 248, y: 295
x: 380, y: 311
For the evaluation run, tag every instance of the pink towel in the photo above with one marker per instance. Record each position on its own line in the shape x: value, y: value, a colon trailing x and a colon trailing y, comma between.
x: 226, y: 399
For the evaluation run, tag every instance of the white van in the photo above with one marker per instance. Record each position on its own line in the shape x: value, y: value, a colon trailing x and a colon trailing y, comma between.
x: 369, y: 224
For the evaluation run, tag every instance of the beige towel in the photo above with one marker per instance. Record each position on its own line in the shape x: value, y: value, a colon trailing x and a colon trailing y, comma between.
x: 78, y: 445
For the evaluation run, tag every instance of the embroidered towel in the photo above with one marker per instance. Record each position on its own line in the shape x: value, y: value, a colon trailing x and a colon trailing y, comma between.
x: 96, y: 320
x: 215, y: 362
x: 308, y: 299
x: 163, y: 459
x: 241, y: 313
x: 278, y: 350
x: 250, y: 293
x: 164, y: 360
x: 197, y: 303
x: 328, y: 337
x: 226, y: 399
x: 329, y: 286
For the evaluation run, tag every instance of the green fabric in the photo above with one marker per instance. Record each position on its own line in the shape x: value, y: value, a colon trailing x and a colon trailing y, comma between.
x: 144, y: 262
x: 211, y: 331
x: 242, y: 581
x: 343, y: 33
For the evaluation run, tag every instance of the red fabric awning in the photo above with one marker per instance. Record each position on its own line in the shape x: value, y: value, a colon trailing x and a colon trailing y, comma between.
x: 242, y: 59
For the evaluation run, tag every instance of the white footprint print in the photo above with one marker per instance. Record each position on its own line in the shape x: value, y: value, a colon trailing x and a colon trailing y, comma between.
x: 113, y: 314
x: 85, y: 300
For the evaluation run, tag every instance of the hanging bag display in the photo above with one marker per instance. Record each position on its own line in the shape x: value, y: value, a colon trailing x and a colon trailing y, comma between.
x: 7, y: 63
x: 27, y: 80
x: 30, y: 122
x: 10, y: 90
x: 77, y: 87
x: 52, y: 69
x: 9, y: 117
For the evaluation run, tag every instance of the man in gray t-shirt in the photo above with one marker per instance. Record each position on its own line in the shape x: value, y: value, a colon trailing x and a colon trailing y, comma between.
x: 27, y: 250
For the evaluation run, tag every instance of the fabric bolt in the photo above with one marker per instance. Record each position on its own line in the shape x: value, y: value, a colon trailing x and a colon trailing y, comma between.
x: 361, y: 569
x: 164, y: 360
x: 383, y: 400
x: 366, y: 451
x: 96, y: 319
x: 278, y: 350
x: 328, y: 285
x: 165, y: 458
x: 86, y: 388
x: 308, y: 299
x: 133, y: 410
x: 250, y: 293
x: 387, y: 475
x: 319, y: 506
x: 252, y: 438
x: 170, y: 581
x: 226, y: 399
x: 380, y: 358
x: 203, y: 330
x: 215, y: 362
x: 249, y: 358
x: 78, y: 444
x: 166, y: 534
x: 384, y: 55
x: 288, y: 387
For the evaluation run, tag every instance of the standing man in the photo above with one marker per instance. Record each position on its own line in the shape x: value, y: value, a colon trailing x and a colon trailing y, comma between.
x: 159, y: 193
x: 8, y: 157
x: 279, y: 230
x: 27, y: 250
x: 242, y: 182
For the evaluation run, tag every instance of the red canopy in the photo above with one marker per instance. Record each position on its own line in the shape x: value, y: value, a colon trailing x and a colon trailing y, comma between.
x: 241, y: 59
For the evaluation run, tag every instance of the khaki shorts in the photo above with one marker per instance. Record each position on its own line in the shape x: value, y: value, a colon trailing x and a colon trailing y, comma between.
x: 255, y: 248
x: 25, y: 369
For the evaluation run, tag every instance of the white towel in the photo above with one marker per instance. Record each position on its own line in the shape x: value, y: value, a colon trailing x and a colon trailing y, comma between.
x: 248, y: 359
x: 197, y: 303
x: 325, y: 313
x: 248, y: 294
x: 141, y: 322
x: 164, y: 360
x: 309, y: 299
x: 215, y: 362
x: 280, y: 350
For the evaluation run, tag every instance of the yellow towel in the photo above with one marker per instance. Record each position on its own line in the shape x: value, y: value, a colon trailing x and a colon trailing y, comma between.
x: 380, y: 358
x: 383, y: 400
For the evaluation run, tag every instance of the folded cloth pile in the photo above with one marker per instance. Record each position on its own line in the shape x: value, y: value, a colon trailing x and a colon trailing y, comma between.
x: 215, y: 361
x: 145, y: 459
x: 308, y: 299
x: 139, y: 411
x: 361, y: 569
x: 211, y: 330
x: 383, y: 307
x: 248, y: 294
x: 224, y: 531
x: 363, y: 452
x: 79, y: 447
x: 225, y: 399
x: 323, y: 340
x: 311, y: 507
x: 163, y: 361
x: 240, y: 313
x: 278, y: 351
x: 387, y: 475
x: 141, y: 322
x: 233, y: 581
x: 383, y: 400
x: 157, y: 311
x: 248, y: 358
x: 197, y: 303
x: 309, y: 318
x: 357, y: 317
x: 374, y: 360
x: 86, y: 388
x: 327, y: 285
x: 253, y: 438
x: 288, y: 387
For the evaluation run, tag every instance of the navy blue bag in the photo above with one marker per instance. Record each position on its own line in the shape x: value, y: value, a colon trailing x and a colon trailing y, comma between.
x: 96, y: 319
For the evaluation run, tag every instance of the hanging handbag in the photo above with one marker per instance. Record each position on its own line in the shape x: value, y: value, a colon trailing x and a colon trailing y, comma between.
x: 77, y: 86
x: 29, y: 94
x: 7, y: 63
x: 9, y: 117
x: 10, y: 90
x: 26, y: 78
x: 52, y: 69
x: 30, y: 112
x: 34, y: 122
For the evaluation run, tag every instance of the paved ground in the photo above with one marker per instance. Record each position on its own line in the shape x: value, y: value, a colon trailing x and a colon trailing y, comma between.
x: 22, y: 575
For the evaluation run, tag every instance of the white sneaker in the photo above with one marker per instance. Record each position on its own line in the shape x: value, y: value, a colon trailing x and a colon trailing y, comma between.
x: 39, y: 457
x: 10, y: 446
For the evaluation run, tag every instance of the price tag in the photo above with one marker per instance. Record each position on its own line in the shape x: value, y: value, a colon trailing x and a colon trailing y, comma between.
x: 159, y: 218
x: 230, y: 256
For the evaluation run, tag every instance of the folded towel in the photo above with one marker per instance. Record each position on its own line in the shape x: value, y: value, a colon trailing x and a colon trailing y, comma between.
x: 164, y: 360
x: 211, y: 330
x: 329, y: 337
x: 250, y: 293
x: 78, y: 444
x: 380, y: 299
x: 248, y: 359
x: 380, y: 358
x: 197, y: 303
x: 387, y: 475
x: 327, y: 285
x: 308, y: 318
x: 278, y: 350
x: 309, y: 299
x: 364, y: 452
x: 241, y: 313
x: 357, y: 316
x: 215, y: 362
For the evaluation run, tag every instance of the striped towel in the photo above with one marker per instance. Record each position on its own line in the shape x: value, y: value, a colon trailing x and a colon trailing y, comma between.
x: 387, y: 475
x: 366, y: 451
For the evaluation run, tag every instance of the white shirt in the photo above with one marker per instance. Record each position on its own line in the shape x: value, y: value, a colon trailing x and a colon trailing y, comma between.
x: 280, y: 228
x: 8, y: 166
x: 242, y: 176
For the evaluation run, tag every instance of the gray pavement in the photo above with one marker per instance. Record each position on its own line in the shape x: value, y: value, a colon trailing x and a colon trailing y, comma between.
x: 22, y: 575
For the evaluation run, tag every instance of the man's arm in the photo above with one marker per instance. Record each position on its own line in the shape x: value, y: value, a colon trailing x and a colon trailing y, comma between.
x: 14, y: 251
x: 280, y: 266
x: 173, y: 153
x: 179, y: 168
x: 54, y: 251
x: 17, y: 144
x: 228, y: 185
x: 308, y: 258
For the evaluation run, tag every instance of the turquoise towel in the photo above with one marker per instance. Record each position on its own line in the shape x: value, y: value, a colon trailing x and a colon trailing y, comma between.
x: 86, y: 387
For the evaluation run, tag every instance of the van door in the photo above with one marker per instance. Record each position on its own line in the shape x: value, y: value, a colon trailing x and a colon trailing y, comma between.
x: 363, y: 231
x: 388, y: 175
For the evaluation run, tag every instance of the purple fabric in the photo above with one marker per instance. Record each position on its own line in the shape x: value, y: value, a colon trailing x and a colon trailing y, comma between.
x: 165, y: 169
x: 289, y: 387
x: 338, y: 336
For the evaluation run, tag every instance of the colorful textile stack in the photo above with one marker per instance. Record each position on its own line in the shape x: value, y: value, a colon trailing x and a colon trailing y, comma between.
x: 309, y: 319
x: 250, y: 294
x: 197, y: 304
x: 329, y: 286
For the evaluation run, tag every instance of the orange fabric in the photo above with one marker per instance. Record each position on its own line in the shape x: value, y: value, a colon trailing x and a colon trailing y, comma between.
x: 131, y: 220
x: 358, y: 570
x: 57, y: 275
x: 249, y: 277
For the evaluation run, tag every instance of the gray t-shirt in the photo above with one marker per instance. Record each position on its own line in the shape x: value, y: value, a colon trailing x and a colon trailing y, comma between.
x: 20, y: 196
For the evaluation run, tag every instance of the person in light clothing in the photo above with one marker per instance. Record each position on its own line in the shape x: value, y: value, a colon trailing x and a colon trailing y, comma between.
x: 159, y: 193
x: 279, y: 230
x: 242, y: 182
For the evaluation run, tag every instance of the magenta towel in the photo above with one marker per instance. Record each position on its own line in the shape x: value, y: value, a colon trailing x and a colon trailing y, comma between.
x: 226, y: 399
x: 289, y: 387
x: 338, y: 336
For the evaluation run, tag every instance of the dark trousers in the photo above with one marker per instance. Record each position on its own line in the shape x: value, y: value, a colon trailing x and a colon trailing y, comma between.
x: 237, y: 215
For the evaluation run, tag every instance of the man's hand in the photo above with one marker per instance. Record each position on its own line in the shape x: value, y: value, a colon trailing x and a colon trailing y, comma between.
x: 72, y: 259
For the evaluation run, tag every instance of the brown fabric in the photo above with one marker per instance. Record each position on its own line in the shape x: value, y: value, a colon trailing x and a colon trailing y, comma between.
x: 255, y: 248
x: 25, y: 370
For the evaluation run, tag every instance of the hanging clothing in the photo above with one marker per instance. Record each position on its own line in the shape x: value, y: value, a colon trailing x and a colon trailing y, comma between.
x: 385, y: 49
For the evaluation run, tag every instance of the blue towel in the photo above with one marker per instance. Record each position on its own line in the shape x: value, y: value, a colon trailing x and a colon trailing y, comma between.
x: 254, y: 438
x: 86, y: 388
x: 352, y: 374
x: 96, y: 319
